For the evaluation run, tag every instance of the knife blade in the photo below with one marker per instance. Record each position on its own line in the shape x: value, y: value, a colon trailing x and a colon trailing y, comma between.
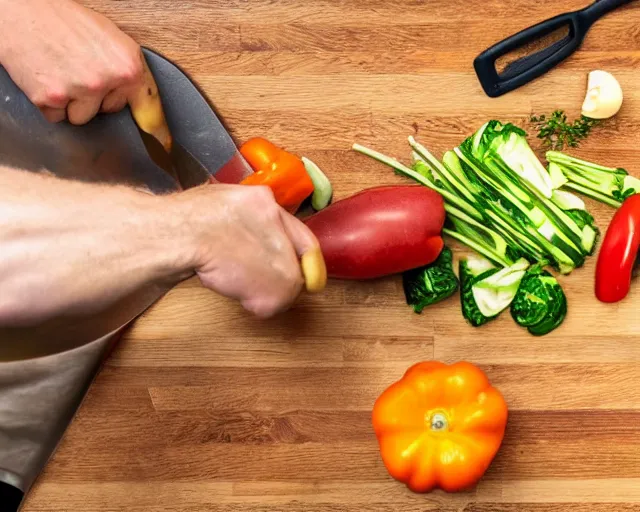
x: 194, y: 125
x: 179, y: 163
x: 149, y: 113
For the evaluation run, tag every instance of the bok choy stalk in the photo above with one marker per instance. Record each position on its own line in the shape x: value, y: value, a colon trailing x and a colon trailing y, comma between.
x: 486, y: 291
x: 432, y: 283
x: 504, y: 161
x: 484, y: 194
x: 465, y: 222
x: 540, y: 304
x: 605, y: 184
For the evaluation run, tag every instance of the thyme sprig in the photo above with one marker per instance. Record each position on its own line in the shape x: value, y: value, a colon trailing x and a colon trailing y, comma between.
x: 556, y: 132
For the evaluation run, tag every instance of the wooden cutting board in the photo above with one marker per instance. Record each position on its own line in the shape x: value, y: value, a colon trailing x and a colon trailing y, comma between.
x: 204, y: 408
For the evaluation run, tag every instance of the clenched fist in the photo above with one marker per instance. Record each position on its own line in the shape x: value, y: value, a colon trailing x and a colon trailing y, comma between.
x: 246, y: 247
x: 70, y: 61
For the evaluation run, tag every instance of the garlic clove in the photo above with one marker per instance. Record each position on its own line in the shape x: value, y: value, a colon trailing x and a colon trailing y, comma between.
x: 604, y: 96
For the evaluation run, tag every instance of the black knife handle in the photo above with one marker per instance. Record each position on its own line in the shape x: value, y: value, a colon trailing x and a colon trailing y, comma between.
x: 484, y: 63
x: 599, y: 8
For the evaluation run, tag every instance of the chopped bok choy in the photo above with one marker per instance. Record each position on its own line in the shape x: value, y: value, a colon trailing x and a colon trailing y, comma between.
x: 605, y: 184
x: 432, y: 283
x: 486, y: 290
x: 520, y: 216
x: 500, y: 199
x: 540, y: 304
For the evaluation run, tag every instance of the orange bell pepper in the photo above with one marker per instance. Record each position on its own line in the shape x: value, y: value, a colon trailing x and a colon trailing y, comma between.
x: 440, y: 426
x: 283, y: 172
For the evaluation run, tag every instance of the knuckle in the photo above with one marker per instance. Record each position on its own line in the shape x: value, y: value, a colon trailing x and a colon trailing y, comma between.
x: 49, y: 96
x: 263, y: 199
x: 94, y: 83
x: 131, y: 71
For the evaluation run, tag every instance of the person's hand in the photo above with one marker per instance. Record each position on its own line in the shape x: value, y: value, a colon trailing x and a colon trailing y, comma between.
x: 70, y: 61
x: 62, y: 254
x: 247, y: 247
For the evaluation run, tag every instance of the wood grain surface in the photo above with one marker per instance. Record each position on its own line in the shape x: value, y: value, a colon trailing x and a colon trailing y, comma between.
x: 202, y: 408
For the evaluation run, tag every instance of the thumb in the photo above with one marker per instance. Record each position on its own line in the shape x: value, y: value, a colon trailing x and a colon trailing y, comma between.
x: 146, y: 106
x: 307, y: 247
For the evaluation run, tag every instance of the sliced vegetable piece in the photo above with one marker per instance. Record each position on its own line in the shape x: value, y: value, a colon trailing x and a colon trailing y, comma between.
x: 540, y: 303
x: 322, y: 190
x: 494, y: 293
x: 283, y: 172
x: 605, y: 184
x: 558, y: 179
x: 468, y: 273
x: 567, y: 201
x: 431, y: 283
x: 486, y: 293
x: 478, y: 237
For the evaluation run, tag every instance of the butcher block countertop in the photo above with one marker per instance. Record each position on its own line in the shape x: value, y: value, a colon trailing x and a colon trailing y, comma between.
x: 203, y: 408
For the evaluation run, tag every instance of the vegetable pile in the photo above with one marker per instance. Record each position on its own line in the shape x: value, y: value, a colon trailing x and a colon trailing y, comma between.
x: 490, y: 193
x: 519, y: 216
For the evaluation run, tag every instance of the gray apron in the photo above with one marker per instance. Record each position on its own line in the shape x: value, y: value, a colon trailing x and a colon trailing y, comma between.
x: 46, y: 370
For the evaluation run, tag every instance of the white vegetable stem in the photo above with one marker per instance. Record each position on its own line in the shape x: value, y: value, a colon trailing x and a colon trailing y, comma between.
x: 407, y: 171
x: 496, y: 292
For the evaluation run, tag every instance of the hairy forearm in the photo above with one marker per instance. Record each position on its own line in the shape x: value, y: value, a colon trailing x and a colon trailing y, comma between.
x: 75, y: 247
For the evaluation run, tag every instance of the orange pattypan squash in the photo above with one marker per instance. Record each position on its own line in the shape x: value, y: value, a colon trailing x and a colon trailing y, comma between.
x: 440, y: 426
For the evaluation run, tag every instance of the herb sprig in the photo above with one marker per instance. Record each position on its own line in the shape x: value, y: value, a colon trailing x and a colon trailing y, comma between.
x: 556, y: 132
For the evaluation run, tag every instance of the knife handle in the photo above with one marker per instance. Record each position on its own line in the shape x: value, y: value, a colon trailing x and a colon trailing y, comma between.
x: 146, y: 108
x: 314, y: 270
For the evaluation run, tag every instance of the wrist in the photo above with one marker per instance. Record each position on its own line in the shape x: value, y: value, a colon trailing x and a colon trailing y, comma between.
x: 168, y: 248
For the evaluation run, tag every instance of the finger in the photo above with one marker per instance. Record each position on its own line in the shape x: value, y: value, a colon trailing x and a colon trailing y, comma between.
x: 83, y: 110
x: 307, y: 247
x: 54, y: 115
x: 115, y: 101
x: 146, y: 107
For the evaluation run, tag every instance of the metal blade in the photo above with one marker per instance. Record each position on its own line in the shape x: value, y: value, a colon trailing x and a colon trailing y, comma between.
x: 181, y: 165
x: 191, y: 173
x: 195, y: 127
x: 158, y: 154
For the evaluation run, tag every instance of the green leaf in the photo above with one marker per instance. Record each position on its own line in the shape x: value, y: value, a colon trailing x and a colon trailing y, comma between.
x: 556, y: 132
x: 540, y: 304
x: 431, y: 283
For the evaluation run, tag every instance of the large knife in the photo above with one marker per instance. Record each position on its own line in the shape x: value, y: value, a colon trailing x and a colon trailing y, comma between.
x: 198, y: 130
x: 178, y: 123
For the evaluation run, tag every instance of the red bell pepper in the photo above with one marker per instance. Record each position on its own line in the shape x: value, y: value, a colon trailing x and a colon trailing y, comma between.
x: 618, y: 252
x: 380, y: 231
